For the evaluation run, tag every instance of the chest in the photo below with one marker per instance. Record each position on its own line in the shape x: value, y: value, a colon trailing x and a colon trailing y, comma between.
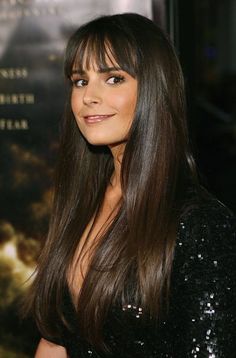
x: 87, y: 246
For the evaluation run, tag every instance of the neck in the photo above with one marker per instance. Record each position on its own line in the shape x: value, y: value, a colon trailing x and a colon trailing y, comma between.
x: 117, y: 152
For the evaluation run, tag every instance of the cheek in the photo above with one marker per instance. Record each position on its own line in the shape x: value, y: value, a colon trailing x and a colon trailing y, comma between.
x: 72, y: 103
x: 125, y: 103
x: 75, y: 103
x: 76, y: 107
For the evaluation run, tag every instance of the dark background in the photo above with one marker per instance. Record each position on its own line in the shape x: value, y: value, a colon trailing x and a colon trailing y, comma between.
x: 204, y: 32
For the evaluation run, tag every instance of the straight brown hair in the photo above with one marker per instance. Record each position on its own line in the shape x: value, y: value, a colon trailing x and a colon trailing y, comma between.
x: 157, y: 167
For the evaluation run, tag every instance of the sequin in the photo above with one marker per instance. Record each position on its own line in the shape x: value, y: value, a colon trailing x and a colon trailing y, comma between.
x: 201, y: 320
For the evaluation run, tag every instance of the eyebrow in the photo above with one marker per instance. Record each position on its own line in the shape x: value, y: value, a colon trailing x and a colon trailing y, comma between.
x: 101, y: 70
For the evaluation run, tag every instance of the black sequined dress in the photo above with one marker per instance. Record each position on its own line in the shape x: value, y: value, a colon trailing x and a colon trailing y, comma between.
x: 202, y: 314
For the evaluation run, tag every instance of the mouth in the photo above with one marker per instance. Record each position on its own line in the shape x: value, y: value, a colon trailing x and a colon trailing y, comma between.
x: 95, y: 118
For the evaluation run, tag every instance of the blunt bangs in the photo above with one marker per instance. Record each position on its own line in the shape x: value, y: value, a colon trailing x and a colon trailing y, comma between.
x: 96, y: 45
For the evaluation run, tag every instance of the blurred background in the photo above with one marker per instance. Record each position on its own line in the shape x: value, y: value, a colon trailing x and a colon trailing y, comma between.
x: 33, y: 34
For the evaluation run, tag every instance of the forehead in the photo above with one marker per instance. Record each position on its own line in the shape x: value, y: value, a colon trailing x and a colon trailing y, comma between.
x: 97, y: 53
x: 95, y: 59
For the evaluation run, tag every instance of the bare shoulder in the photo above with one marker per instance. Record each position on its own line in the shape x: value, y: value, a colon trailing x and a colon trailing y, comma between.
x: 47, y: 349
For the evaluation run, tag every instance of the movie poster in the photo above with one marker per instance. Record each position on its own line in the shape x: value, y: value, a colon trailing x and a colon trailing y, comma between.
x: 33, y: 34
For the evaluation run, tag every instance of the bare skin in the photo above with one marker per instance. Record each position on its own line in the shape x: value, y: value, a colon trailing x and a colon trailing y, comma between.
x: 48, y: 349
x: 106, y: 214
x: 103, y: 103
x: 93, y: 95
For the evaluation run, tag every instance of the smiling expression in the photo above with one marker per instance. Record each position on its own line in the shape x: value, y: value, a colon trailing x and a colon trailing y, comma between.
x: 103, y: 102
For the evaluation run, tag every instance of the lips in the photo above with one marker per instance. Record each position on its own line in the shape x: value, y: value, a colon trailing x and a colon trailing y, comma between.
x: 95, y: 118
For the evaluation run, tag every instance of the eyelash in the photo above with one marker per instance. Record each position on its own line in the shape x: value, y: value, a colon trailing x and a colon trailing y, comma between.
x: 75, y: 82
x: 118, y: 79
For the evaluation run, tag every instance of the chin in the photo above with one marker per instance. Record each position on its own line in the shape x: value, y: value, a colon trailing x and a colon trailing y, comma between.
x: 101, y: 139
x: 97, y: 141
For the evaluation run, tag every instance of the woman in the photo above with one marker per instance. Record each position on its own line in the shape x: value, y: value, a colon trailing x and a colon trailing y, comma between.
x: 139, y: 260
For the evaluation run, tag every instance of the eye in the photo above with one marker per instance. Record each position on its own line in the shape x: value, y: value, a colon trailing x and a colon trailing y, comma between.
x: 79, y: 82
x: 112, y: 80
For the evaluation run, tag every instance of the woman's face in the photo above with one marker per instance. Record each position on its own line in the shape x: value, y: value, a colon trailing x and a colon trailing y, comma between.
x: 103, y: 102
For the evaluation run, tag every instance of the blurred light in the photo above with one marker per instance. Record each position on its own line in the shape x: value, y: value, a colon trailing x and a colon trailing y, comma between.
x: 9, y: 250
x: 19, y: 269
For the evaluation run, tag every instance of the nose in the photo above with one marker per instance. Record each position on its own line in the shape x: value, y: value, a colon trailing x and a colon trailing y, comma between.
x: 92, y: 95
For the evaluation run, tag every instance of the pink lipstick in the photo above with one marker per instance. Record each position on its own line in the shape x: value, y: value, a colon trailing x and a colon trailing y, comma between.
x: 97, y: 118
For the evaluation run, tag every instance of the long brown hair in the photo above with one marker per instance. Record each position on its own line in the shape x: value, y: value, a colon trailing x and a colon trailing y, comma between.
x: 156, y: 169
